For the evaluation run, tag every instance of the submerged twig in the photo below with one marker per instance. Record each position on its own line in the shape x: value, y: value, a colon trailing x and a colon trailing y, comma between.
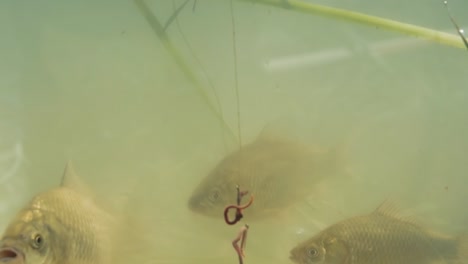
x: 429, y: 34
x: 459, y: 30
x: 241, y: 236
x: 159, y: 30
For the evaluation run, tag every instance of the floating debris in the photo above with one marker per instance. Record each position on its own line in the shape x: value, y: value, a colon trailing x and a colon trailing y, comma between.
x: 241, y: 236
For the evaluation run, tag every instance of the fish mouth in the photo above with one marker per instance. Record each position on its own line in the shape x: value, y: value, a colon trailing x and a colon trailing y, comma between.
x: 192, y: 203
x: 196, y: 203
x: 293, y: 257
x: 195, y: 206
x: 11, y: 256
x: 201, y: 207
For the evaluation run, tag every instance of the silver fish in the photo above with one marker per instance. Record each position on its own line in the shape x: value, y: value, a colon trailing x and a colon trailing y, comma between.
x: 382, y: 237
x: 60, y: 226
x: 277, y: 171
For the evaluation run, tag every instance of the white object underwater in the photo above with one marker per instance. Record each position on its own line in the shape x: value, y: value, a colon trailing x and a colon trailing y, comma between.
x: 377, y: 50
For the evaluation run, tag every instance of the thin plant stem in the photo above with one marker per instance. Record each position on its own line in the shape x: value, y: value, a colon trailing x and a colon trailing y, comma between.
x: 409, y: 29
x: 165, y: 40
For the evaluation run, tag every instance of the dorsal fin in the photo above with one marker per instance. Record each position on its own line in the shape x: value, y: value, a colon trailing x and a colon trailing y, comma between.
x: 71, y: 180
x: 67, y: 174
x: 267, y: 133
x: 279, y: 129
x: 389, y: 208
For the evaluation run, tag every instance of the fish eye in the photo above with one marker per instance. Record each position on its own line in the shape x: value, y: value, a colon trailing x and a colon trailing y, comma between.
x: 37, y: 241
x: 313, y: 252
x: 214, y: 195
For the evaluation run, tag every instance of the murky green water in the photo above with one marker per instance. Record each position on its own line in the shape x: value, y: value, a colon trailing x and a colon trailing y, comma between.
x: 89, y: 81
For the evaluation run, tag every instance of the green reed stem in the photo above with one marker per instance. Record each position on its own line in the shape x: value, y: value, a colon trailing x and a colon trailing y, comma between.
x: 159, y: 30
x: 409, y: 29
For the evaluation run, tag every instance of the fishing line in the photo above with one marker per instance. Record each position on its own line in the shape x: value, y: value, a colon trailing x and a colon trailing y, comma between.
x: 198, y: 61
x: 459, y: 30
x: 175, y: 14
x: 236, y: 81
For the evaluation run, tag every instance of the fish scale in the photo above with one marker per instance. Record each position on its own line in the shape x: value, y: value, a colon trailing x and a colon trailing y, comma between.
x: 413, y: 244
x: 277, y: 171
x: 59, y: 226
x: 84, y: 239
x: 381, y: 237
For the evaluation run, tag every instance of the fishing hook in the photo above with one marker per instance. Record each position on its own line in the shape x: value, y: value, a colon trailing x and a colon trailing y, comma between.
x: 238, y: 208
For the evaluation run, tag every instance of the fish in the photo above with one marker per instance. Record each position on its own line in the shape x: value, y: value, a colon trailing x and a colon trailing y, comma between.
x: 277, y: 170
x: 384, y: 236
x: 63, y: 225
